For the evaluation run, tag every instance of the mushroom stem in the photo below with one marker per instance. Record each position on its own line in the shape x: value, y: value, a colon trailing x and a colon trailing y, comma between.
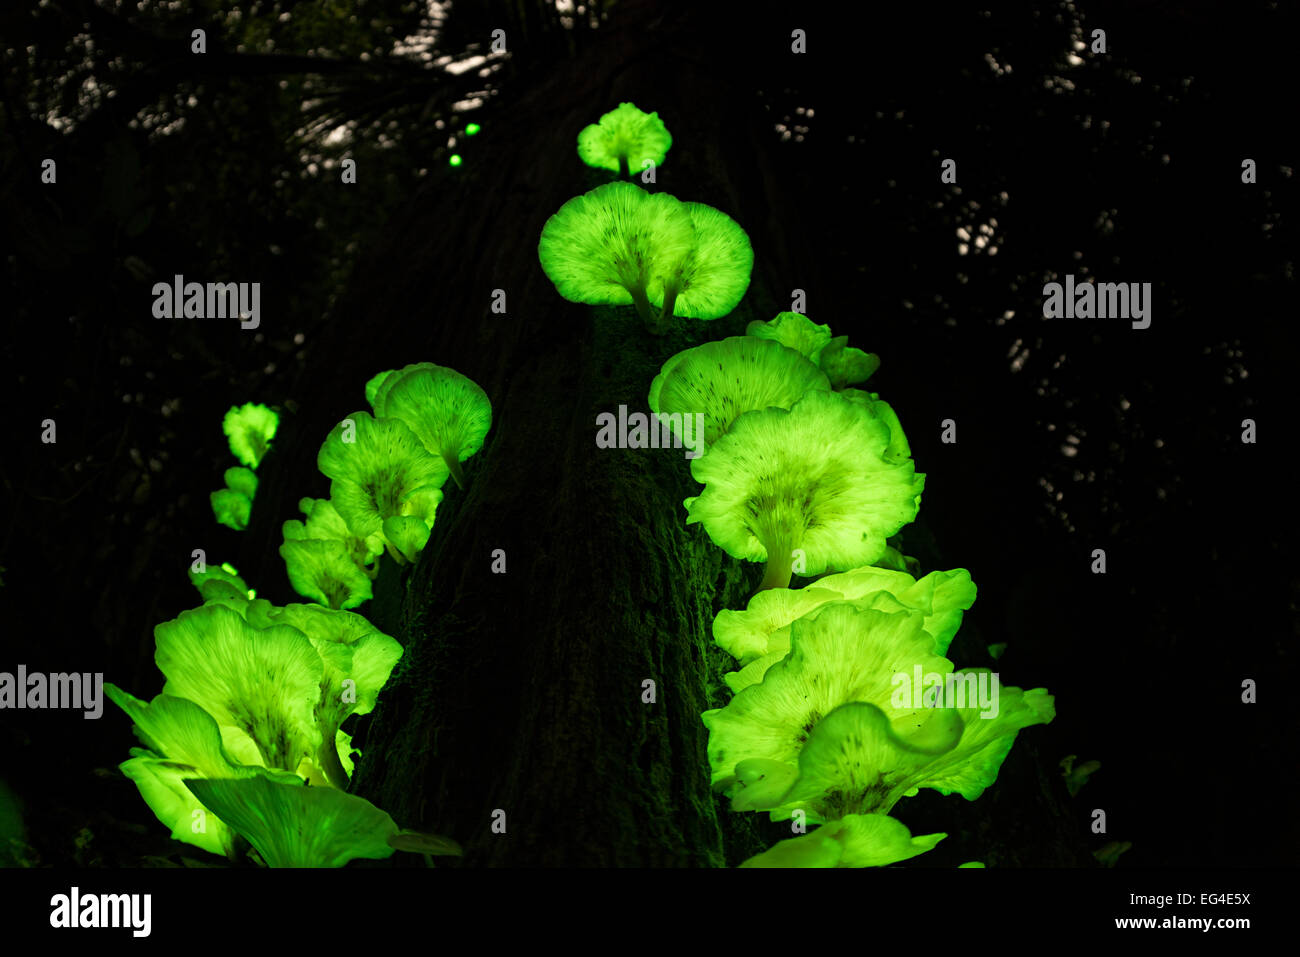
x: 394, y: 554
x: 670, y: 301
x: 623, y: 169
x: 328, y: 756
x: 647, y: 314
x: 457, y: 473
x: 780, y: 564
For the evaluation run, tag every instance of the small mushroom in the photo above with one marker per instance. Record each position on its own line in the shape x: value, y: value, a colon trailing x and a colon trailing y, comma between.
x: 448, y: 413
x: 845, y: 365
x: 855, y: 840
x: 814, y: 478
x: 249, y: 429
x: 231, y: 508
x: 727, y: 377
x: 794, y: 331
x: 623, y: 140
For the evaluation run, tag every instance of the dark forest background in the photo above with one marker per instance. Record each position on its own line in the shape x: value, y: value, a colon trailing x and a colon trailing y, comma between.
x: 522, y: 691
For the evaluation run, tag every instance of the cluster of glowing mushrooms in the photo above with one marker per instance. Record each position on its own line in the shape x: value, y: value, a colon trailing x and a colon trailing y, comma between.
x: 810, y: 476
x: 245, y: 747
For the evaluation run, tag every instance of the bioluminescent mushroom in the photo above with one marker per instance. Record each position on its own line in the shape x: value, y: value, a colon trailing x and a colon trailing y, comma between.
x: 840, y: 653
x: 380, y: 470
x: 448, y: 412
x: 242, y: 480
x: 220, y: 581
x: 858, y: 761
x: 322, y: 522
x: 324, y: 571
x: 763, y: 627
x: 624, y: 139
x: 813, y: 479
x: 899, y: 448
x: 727, y: 377
x: 250, y: 428
x: 260, y: 685
x: 292, y: 825
x: 856, y: 840
x: 615, y: 245
x: 231, y: 508
x: 794, y: 331
x: 357, y: 660
x: 182, y: 740
x: 711, y: 279
x: 845, y: 365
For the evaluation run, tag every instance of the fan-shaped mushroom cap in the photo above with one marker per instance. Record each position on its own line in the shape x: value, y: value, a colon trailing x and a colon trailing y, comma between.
x: 711, y: 279
x: 623, y: 139
x: 250, y: 428
x: 845, y: 365
x: 447, y: 411
x: 727, y: 377
x: 814, y: 478
x: 855, y: 840
x: 794, y: 331
x: 615, y: 244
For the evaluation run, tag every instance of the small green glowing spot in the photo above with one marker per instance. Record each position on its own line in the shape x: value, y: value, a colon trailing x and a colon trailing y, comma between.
x: 455, y: 159
x: 228, y: 568
x: 472, y: 128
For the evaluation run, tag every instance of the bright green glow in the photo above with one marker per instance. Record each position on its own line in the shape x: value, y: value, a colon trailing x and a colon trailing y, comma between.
x: 615, y: 245
x: 712, y: 278
x: 296, y: 826
x: 454, y: 160
x: 899, y: 448
x: 219, y: 581
x: 324, y: 571
x: 250, y: 428
x: 794, y: 331
x: 182, y: 740
x: 728, y: 377
x: 763, y: 628
x: 842, y: 653
x: 814, y: 478
x: 260, y: 685
x: 323, y: 523
x: 844, y: 365
x: 623, y: 140
x: 856, y: 840
x: 384, y: 472
x: 242, y: 480
x: 471, y: 129
x: 231, y: 508
x: 448, y: 413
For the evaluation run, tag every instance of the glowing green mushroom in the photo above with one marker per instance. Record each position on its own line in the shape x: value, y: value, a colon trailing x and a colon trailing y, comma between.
x: 324, y: 571
x: 839, y: 654
x: 624, y: 139
x: 447, y: 411
x: 856, y: 840
x: 220, y: 581
x: 250, y: 428
x: 711, y: 279
x: 297, y: 826
x: 813, y: 479
x: 845, y: 365
x: 615, y: 245
x: 380, y: 470
x: 324, y: 523
x: 728, y: 377
x: 242, y: 480
x: 794, y: 331
x: 357, y: 660
x: 260, y: 685
x: 231, y: 508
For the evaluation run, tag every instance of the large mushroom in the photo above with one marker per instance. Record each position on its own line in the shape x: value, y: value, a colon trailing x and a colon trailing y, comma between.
x: 624, y: 139
x: 815, y: 478
x: 727, y: 377
x: 615, y: 245
x: 709, y: 281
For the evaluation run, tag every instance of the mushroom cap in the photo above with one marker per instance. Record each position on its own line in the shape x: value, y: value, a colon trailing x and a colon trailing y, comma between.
x: 728, y: 377
x: 899, y: 448
x: 615, y: 238
x: 242, y: 480
x: 625, y: 131
x: 292, y: 825
x: 841, y: 653
x: 324, y: 571
x: 257, y: 683
x: 384, y: 472
x: 845, y: 365
x: 249, y: 429
x: 814, y: 477
x: 324, y: 523
x: 855, y: 840
x: 447, y: 411
x: 794, y: 331
x: 220, y: 581
x: 712, y: 277
x: 231, y: 508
